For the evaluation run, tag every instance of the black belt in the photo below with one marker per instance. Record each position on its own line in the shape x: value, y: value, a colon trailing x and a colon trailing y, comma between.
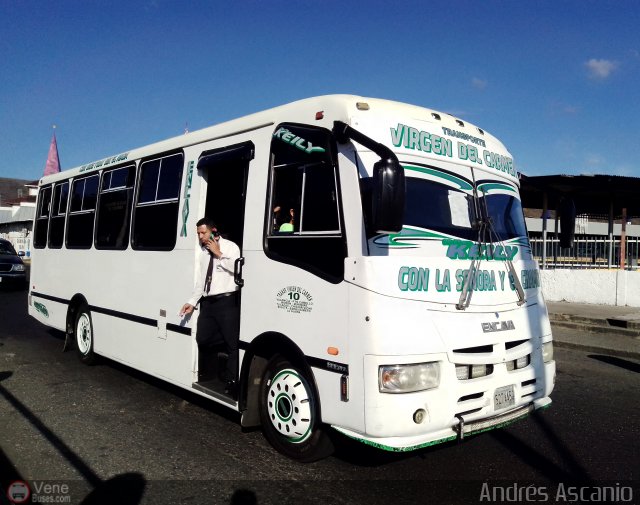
x: 213, y: 298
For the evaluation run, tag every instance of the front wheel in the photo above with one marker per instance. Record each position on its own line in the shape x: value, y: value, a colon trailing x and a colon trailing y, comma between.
x: 83, y: 333
x: 289, y: 413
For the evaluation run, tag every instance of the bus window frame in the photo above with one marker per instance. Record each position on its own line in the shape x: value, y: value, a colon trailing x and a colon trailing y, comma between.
x: 341, y: 234
x: 58, y: 214
x: 129, y: 164
x: 137, y: 205
x: 82, y: 211
x: 39, y: 218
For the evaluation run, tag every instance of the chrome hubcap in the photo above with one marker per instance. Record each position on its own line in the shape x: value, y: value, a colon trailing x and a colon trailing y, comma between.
x: 83, y: 332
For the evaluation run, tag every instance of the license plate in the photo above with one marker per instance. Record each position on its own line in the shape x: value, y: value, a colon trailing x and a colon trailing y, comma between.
x: 504, y: 397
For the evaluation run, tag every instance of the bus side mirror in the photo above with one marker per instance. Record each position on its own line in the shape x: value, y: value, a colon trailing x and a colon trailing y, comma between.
x: 388, y: 198
x: 567, y: 213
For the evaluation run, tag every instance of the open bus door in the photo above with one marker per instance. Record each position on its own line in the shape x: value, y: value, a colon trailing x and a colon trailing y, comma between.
x: 225, y: 171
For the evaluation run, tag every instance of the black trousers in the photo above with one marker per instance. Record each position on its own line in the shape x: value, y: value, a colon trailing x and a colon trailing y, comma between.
x: 219, y: 323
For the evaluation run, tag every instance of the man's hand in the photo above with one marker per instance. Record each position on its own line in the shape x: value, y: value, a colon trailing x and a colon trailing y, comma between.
x: 186, y: 309
x: 214, y: 248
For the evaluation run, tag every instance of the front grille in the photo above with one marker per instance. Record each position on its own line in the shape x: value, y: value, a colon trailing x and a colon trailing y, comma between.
x: 471, y: 403
x: 479, y: 361
x: 474, y: 396
x: 528, y: 388
x: 475, y: 350
x: 506, y: 359
x: 5, y: 268
x: 515, y: 343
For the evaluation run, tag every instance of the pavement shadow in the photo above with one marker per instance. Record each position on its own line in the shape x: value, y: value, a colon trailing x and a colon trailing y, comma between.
x: 8, y: 474
x: 177, y: 391
x: 619, y: 362
x: 57, y: 334
x: 244, y: 497
x: 53, y: 439
x: 150, y: 380
x: 574, y: 471
x: 125, y: 489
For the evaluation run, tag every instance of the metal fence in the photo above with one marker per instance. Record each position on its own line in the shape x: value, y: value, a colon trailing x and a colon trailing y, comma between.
x: 588, y: 251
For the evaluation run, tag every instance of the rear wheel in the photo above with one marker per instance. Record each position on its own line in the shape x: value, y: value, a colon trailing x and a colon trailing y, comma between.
x: 289, y: 413
x: 83, y: 332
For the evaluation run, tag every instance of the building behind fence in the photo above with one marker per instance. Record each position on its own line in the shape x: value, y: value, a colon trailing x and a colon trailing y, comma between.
x: 594, y: 247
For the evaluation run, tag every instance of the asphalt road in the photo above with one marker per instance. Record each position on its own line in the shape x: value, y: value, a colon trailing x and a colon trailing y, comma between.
x: 114, y: 435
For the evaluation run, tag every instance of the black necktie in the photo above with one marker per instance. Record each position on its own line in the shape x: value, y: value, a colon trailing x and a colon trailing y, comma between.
x: 207, y: 282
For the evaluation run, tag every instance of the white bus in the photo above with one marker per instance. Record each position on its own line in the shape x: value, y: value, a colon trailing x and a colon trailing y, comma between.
x: 403, y: 307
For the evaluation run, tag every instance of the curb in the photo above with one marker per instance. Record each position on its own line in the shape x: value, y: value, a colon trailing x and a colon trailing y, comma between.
x: 616, y: 322
x: 593, y: 348
x: 602, y: 327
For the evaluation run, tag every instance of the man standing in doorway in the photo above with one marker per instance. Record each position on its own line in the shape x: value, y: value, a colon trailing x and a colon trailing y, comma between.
x: 216, y: 292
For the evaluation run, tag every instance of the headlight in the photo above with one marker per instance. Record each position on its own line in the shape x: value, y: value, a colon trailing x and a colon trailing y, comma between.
x: 547, y: 352
x: 408, y: 378
x: 18, y: 268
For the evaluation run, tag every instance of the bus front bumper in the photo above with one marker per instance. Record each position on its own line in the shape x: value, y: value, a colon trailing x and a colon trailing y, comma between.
x: 459, y: 430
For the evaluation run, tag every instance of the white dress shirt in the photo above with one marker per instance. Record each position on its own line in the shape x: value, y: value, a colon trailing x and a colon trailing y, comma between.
x: 222, y: 276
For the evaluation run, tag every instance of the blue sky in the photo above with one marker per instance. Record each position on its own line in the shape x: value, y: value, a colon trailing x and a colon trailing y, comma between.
x: 557, y: 81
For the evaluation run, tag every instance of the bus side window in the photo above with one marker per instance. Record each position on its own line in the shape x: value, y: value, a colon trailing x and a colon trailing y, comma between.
x: 82, y: 210
x: 155, y: 219
x: 304, y: 227
x: 58, y: 215
x: 114, y: 208
x: 42, y: 218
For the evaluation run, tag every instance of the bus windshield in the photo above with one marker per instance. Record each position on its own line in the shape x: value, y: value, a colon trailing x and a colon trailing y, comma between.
x: 439, y: 207
x: 507, y: 217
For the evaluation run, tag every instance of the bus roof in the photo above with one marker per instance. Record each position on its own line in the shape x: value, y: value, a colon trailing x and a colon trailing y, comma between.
x: 333, y: 107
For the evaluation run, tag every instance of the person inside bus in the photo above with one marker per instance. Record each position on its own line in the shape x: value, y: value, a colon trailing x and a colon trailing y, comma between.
x: 216, y: 292
x: 280, y: 221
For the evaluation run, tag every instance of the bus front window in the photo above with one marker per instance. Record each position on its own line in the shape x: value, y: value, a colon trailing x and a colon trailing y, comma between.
x: 439, y: 207
x: 507, y: 218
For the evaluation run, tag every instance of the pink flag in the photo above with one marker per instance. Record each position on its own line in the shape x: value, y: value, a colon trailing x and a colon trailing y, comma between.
x: 53, y: 162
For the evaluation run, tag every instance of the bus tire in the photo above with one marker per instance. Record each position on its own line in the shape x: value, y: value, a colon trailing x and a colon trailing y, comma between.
x: 83, y: 333
x: 289, y: 413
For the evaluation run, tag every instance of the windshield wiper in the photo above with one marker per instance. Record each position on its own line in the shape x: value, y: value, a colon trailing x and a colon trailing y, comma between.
x: 484, y: 223
x: 510, y: 268
x: 480, y: 223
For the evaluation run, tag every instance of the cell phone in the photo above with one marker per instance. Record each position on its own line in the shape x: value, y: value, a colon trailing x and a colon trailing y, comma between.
x: 214, y: 235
